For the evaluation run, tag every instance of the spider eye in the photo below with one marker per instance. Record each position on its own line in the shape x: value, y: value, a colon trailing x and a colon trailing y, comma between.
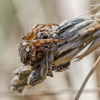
x: 43, y: 35
x: 41, y: 52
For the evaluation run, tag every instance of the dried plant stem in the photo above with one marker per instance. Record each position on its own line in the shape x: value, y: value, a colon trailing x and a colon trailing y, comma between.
x: 87, y: 78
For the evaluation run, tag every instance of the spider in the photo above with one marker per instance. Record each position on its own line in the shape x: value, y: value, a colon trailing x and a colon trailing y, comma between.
x: 37, y: 49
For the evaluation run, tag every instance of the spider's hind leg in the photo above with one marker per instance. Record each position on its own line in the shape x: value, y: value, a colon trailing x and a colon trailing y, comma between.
x: 61, y: 67
x: 50, y: 60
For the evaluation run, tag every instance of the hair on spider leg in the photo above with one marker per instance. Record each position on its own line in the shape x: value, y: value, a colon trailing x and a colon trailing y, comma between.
x: 33, y: 77
x: 38, y: 75
x: 61, y: 67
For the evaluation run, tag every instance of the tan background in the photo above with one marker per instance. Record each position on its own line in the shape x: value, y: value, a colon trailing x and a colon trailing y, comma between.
x: 16, y: 18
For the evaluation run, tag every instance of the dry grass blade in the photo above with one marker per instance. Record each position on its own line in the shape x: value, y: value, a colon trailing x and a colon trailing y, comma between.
x: 87, y: 78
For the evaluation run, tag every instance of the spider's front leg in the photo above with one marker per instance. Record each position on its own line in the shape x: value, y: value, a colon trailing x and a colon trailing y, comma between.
x: 39, y: 75
x: 39, y: 42
x: 49, y: 49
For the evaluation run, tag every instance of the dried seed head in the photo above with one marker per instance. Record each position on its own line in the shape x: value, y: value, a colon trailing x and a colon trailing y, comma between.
x: 97, y: 17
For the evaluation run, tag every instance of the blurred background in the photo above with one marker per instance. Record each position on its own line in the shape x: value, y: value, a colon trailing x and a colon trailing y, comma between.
x: 16, y: 18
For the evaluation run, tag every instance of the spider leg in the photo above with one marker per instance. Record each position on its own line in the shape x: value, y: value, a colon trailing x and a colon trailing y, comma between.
x: 61, y: 67
x: 47, y: 26
x: 42, y: 41
x: 39, y: 75
x: 49, y: 65
x: 50, y: 60
x: 31, y: 34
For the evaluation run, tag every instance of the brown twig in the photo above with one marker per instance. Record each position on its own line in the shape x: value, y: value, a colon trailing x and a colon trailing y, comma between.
x: 87, y: 78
